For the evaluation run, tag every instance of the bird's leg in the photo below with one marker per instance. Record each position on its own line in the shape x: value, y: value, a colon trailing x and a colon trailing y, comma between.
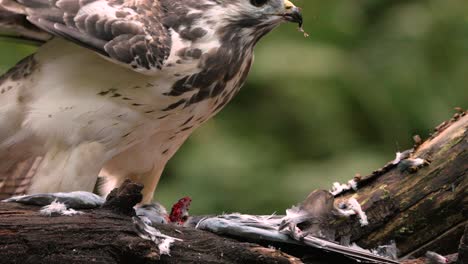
x: 150, y: 181
x: 129, y: 165
x: 142, y: 163
x: 68, y: 169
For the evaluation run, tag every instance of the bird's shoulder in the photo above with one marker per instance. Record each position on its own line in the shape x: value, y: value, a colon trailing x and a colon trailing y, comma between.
x: 129, y: 32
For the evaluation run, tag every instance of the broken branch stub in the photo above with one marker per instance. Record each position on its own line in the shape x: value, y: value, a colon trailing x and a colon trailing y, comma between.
x: 123, y: 199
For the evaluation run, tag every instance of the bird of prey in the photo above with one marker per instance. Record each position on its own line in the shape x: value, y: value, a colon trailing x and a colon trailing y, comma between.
x: 119, y: 85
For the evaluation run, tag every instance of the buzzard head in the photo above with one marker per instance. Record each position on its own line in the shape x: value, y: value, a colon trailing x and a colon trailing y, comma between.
x: 256, y: 13
x: 241, y: 22
x: 225, y: 33
x: 252, y: 19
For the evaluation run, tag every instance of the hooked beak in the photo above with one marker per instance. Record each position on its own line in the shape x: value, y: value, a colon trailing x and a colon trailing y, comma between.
x: 293, y: 13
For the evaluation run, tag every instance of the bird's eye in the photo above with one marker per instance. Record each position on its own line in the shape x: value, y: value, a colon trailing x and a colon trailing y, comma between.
x: 258, y: 3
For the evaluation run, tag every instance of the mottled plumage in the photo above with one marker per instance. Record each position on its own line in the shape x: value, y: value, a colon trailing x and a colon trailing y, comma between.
x: 122, y: 85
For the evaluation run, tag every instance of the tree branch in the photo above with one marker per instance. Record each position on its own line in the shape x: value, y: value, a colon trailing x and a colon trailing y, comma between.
x: 421, y: 210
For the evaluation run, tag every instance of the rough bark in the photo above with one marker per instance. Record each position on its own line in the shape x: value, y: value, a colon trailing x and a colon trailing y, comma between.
x: 421, y: 210
x: 107, y: 235
x: 463, y: 249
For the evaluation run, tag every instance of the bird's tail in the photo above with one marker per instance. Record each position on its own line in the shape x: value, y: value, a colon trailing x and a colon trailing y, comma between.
x: 18, y: 178
x: 19, y: 151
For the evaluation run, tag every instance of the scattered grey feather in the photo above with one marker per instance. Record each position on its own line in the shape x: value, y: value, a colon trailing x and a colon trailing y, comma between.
x: 266, y: 228
x: 75, y: 200
x: 145, y: 231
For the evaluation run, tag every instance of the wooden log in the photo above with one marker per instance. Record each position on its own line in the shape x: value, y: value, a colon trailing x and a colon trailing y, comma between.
x: 463, y: 249
x: 107, y: 235
x: 423, y: 209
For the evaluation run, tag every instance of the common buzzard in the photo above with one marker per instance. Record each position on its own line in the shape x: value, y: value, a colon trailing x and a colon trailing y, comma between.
x: 121, y: 85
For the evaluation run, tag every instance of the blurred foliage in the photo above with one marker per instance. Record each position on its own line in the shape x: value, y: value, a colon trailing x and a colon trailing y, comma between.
x: 319, y: 109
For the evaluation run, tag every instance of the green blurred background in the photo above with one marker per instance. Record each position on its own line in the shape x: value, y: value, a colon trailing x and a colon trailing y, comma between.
x: 320, y: 109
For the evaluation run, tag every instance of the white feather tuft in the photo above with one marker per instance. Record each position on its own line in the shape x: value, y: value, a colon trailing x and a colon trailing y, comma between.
x: 417, y: 162
x: 165, y: 246
x: 354, y: 208
x: 58, y: 209
x: 148, y: 232
x: 338, y: 188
